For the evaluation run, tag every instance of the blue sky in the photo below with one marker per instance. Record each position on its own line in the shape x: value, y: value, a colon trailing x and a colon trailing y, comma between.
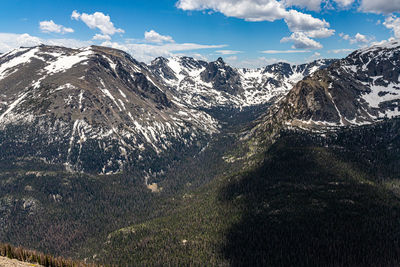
x: 246, y: 33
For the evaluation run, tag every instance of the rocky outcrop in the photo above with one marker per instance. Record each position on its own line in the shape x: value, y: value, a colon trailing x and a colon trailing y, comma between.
x: 360, y: 89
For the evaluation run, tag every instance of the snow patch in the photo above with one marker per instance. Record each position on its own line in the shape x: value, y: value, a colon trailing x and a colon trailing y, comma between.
x: 65, y: 62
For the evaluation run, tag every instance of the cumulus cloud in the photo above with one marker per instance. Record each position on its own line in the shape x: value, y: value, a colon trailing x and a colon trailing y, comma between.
x: 154, y: 37
x: 344, y: 3
x: 314, y: 5
x: 49, y: 26
x: 97, y: 20
x: 250, y: 10
x: 298, y: 21
x: 259, y: 10
x: 360, y: 38
x: 314, y: 56
x: 231, y: 58
x: 357, y: 39
x: 340, y: 51
x: 9, y: 41
x: 284, y: 51
x: 198, y: 56
x: 228, y: 52
x: 303, y: 25
x: 380, y: 6
x: 344, y: 36
x: 301, y: 41
x: 393, y: 23
x: 98, y: 36
x: 307, y: 24
x: 321, y: 33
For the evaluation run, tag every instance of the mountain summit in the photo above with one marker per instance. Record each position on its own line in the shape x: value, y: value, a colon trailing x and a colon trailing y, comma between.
x: 360, y: 89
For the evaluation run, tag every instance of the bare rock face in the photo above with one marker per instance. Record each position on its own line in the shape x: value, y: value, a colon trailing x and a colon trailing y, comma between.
x: 223, y: 77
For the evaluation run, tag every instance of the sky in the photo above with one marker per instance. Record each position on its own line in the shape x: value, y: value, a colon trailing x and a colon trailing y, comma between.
x: 246, y: 33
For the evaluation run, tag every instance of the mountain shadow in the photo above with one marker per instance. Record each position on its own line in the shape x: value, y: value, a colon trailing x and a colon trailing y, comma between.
x: 308, y: 205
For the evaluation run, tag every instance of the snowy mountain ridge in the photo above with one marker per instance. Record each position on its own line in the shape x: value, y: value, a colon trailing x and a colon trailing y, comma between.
x: 97, y: 109
x: 361, y: 89
x: 96, y: 100
x: 203, y: 84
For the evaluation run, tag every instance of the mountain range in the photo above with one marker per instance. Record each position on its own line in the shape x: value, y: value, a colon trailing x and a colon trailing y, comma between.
x: 98, y: 110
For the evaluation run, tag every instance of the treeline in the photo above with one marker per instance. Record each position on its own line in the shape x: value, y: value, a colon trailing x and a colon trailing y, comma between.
x: 18, y: 253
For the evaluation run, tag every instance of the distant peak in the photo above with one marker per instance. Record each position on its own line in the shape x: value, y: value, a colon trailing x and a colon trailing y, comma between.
x: 220, y: 60
x: 386, y: 45
x: 159, y: 60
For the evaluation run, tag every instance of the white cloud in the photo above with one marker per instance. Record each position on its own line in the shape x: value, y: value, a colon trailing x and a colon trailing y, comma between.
x: 49, y: 26
x: 259, y: 10
x: 232, y: 58
x: 383, y: 42
x: 284, y: 51
x: 303, y: 25
x: 198, y: 56
x: 72, y: 43
x: 314, y: 5
x: 357, y: 39
x: 97, y: 20
x: 380, y: 6
x: 314, y: 56
x: 154, y: 37
x: 101, y: 37
x: 298, y: 21
x: 340, y: 51
x: 9, y: 41
x: 360, y: 38
x: 75, y: 15
x: 393, y: 23
x: 321, y: 33
x: 301, y: 41
x: 344, y: 3
x: 228, y: 52
x: 344, y: 36
x: 250, y: 10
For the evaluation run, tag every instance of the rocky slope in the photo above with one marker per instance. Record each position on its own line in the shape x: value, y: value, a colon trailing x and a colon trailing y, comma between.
x: 360, y: 89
